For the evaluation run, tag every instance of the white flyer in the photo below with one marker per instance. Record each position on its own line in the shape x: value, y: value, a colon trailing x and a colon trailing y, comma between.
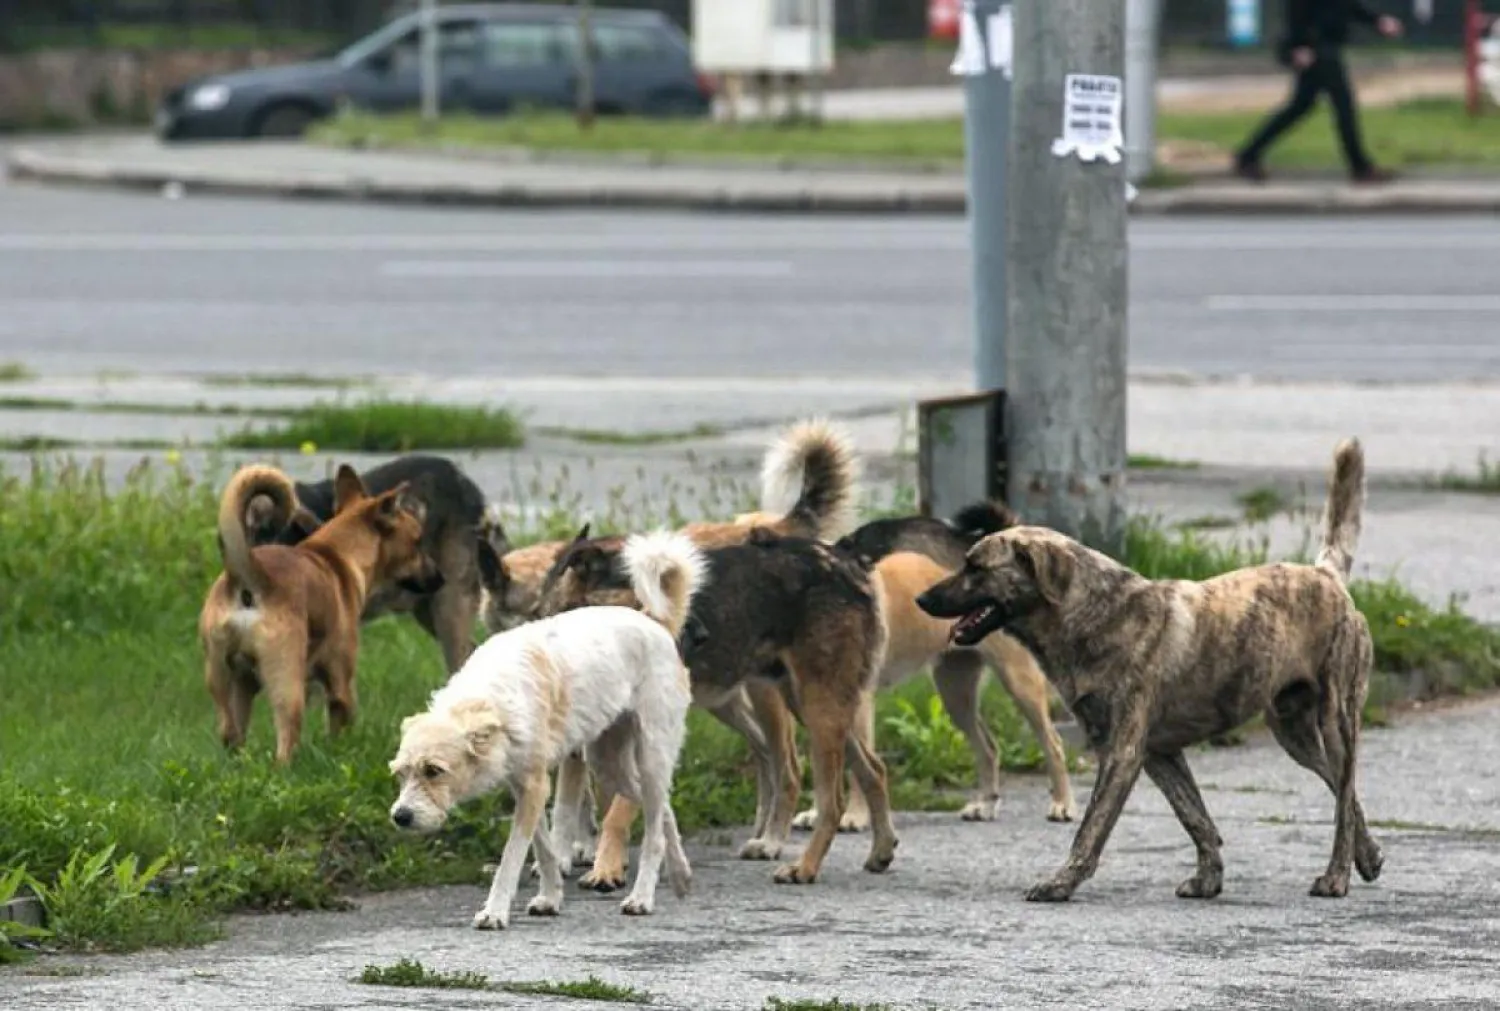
x: 1091, y: 118
x: 969, y: 59
x: 1001, y: 38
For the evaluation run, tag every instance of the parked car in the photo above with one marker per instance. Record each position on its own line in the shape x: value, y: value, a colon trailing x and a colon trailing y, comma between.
x: 493, y: 59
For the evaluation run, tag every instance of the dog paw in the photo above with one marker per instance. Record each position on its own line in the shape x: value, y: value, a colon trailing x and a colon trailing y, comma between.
x: 565, y: 868
x: 636, y: 907
x: 1053, y: 890
x: 760, y: 849
x: 543, y: 906
x: 1060, y: 811
x: 980, y: 810
x: 879, y: 863
x: 806, y: 820
x: 856, y: 822
x: 581, y: 856
x: 682, y: 884
x: 793, y: 874
x: 601, y: 881
x: 1201, y: 886
x: 1330, y: 886
x: 486, y: 920
x: 1369, y: 863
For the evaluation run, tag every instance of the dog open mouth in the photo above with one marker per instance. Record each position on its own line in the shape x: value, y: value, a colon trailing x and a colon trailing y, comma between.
x: 976, y: 624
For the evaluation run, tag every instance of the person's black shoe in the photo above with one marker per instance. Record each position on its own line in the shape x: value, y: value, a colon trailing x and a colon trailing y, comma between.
x: 1371, y: 176
x: 1250, y: 171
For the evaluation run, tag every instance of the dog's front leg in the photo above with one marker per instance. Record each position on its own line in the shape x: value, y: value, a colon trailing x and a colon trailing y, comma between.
x: 1174, y: 779
x: 1119, y: 735
x: 531, y: 802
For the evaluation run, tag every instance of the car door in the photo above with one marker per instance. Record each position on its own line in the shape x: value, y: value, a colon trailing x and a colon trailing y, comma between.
x: 633, y: 67
x: 525, y: 63
x: 390, y: 79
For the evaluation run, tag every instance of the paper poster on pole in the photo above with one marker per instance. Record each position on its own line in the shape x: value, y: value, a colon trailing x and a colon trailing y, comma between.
x: 969, y: 59
x: 1001, y: 37
x: 1091, y: 118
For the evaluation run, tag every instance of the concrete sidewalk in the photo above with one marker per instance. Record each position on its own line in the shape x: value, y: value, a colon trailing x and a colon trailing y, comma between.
x: 518, y: 179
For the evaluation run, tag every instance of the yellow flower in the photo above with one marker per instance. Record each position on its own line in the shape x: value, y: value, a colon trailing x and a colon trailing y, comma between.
x: 222, y: 819
x: 309, y: 448
x: 174, y: 457
x: 1402, y: 620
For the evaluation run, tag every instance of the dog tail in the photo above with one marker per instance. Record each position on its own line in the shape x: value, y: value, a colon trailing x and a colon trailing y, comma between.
x: 666, y: 569
x: 981, y: 519
x: 262, y: 485
x: 1342, y: 515
x: 816, y: 462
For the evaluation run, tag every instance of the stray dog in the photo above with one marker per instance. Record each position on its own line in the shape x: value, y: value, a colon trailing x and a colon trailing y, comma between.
x: 915, y: 640
x: 908, y: 555
x: 279, y: 617
x: 1151, y: 667
x: 604, y: 680
x: 788, y: 614
x: 454, y: 508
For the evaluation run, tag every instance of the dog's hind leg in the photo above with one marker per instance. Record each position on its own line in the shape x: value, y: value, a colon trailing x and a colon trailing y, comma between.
x: 957, y: 676
x: 1018, y: 671
x: 232, y: 694
x: 286, y: 690
x: 775, y: 720
x: 1293, y: 719
x: 737, y: 714
x: 829, y: 715
x: 857, y: 810
x: 341, y: 697
x: 652, y: 791
x: 1344, y: 679
x: 1172, y: 776
x: 568, y: 812
x: 549, y: 896
x: 613, y: 853
x: 455, y: 608
x: 870, y: 772
x: 531, y: 804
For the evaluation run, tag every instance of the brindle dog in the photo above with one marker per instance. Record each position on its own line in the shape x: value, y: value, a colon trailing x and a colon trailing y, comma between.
x: 1151, y: 667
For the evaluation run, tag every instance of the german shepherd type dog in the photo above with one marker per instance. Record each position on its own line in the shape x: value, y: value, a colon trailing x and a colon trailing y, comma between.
x: 1152, y: 667
x: 454, y: 509
x: 280, y: 617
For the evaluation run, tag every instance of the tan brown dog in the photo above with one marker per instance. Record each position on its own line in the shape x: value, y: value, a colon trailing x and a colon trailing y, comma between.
x: 915, y: 641
x: 1151, y: 667
x: 281, y: 617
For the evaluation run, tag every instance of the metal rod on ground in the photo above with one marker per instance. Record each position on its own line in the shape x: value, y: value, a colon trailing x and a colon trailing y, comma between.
x: 1066, y: 352
x: 585, y: 95
x: 1142, y: 18
x: 429, y: 62
x: 987, y: 112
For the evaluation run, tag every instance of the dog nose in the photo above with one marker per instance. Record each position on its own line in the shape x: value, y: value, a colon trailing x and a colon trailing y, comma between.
x: 402, y: 817
x: 924, y: 600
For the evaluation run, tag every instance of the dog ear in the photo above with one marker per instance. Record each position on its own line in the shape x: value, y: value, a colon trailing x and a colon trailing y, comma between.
x: 492, y: 574
x: 406, y: 499
x: 347, y: 488
x: 1051, y: 568
x: 301, y: 526
x: 591, y: 562
x: 480, y: 721
x: 583, y: 534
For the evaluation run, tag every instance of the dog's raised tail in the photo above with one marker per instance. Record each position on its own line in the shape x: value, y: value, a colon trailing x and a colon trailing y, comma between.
x: 251, y: 483
x: 1342, y: 514
x: 666, y: 570
x: 809, y: 476
x: 983, y: 518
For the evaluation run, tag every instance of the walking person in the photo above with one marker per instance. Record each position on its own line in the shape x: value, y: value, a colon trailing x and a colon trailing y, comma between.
x: 1313, y: 47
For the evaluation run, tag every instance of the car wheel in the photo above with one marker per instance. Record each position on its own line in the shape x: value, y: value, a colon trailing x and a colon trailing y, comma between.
x: 284, y: 121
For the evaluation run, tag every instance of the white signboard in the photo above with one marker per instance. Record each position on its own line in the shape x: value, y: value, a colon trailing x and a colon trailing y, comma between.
x: 1002, y: 40
x: 1091, y: 118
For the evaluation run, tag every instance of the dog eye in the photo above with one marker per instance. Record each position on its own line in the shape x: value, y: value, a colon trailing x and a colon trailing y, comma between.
x: 431, y: 771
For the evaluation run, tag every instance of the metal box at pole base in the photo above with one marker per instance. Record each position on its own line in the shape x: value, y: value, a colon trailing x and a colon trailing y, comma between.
x: 960, y: 452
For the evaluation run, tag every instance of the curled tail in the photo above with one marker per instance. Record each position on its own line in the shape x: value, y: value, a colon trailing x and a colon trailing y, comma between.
x: 266, y: 492
x: 666, y: 569
x: 816, y: 462
x: 982, y: 519
x: 1342, y: 513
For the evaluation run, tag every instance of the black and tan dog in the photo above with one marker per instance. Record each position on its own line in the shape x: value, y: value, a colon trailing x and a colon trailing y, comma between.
x: 790, y: 614
x: 1151, y: 667
x: 279, y: 617
x: 908, y: 555
x: 454, y: 512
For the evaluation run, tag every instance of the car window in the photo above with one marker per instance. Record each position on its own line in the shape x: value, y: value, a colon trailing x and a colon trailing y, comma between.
x: 458, y: 47
x: 525, y: 44
x: 626, y: 43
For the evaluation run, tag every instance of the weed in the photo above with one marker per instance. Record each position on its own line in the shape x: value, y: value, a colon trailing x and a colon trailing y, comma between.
x: 98, y: 903
x: 604, y: 437
x: 11, y: 931
x: 387, y: 426
x: 15, y: 372
x: 1485, y: 481
x: 284, y: 380
x: 410, y: 972
x: 592, y: 988
x: 35, y: 444
x: 1146, y: 461
x: 198, y: 409
x: 1208, y: 522
x: 1260, y: 504
x: 931, y: 748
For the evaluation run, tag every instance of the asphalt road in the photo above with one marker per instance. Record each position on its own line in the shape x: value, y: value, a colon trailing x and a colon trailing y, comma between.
x: 92, y: 281
x: 947, y: 928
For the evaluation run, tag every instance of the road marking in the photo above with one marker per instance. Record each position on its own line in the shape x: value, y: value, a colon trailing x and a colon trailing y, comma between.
x: 664, y: 240
x: 1247, y: 241
x: 589, y: 269
x: 1353, y: 303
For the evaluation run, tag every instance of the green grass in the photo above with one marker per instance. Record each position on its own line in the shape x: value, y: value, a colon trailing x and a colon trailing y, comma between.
x: 284, y: 380
x: 15, y: 372
x: 387, y: 426
x: 197, y: 409
x: 109, y: 736
x: 409, y: 972
x: 35, y: 444
x: 1484, y: 481
x: 1260, y: 504
x: 1429, y: 132
x: 605, y: 437
x: 164, y: 35
x: 592, y: 988
x: 1147, y: 461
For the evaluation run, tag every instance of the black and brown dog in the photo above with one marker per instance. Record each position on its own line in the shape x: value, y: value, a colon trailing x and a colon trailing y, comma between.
x: 1152, y: 667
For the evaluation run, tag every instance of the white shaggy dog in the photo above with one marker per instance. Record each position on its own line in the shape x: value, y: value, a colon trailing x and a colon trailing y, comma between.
x: 607, y: 680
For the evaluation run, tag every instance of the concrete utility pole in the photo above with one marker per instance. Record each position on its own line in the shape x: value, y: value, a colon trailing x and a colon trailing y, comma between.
x: 429, y: 62
x: 1065, y: 359
x: 987, y: 112
x: 1142, y: 20
x: 585, y: 95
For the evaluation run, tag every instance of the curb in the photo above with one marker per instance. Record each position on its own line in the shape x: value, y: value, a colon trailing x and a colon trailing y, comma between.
x: 1321, y: 199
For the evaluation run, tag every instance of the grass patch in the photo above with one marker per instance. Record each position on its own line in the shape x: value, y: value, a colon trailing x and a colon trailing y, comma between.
x: 284, y: 380
x: 1427, y: 132
x: 1260, y: 504
x: 35, y: 444
x: 592, y: 988
x: 198, y: 409
x: 409, y: 972
x: 15, y: 372
x: 779, y: 1004
x: 1485, y: 481
x: 387, y: 426
x: 1147, y: 461
x: 1208, y: 522
x: 605, y: 437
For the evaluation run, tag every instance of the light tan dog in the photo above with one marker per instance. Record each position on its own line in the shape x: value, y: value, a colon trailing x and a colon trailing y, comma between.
x: 280, y: 617
x: 915, y: 641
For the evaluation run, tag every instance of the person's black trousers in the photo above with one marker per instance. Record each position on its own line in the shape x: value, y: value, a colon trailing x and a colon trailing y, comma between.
x: 1326, y: 74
